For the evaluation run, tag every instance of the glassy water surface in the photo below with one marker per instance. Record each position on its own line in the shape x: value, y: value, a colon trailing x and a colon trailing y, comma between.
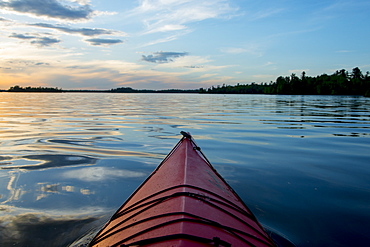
x: 68, y: 161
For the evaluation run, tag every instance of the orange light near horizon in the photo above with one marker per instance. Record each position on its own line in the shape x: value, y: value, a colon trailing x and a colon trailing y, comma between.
x: 7, y: 81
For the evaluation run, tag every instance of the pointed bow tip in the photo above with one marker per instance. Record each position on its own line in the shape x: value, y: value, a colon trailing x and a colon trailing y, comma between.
x: 186, y: 134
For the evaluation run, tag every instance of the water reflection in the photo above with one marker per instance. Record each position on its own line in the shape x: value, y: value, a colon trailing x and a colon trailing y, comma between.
x: 48, y: 189
x: 339, y: 114
x: 15, y: 193
x: 46, y: 161
x: 95, y: 174
x: 22, y: 227
x: 66, y: 160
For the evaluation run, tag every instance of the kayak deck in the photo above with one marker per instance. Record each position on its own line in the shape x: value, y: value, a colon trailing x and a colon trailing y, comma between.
x: 184, y: 202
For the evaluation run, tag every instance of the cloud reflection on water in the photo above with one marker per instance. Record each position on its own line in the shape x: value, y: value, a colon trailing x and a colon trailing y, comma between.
x: 46, y: 161
x: 46, y: 190
x: 26, y: 227
x: 95, y: 174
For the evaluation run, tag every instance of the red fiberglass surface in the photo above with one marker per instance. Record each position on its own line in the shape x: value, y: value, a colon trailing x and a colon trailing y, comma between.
x: 184, y: 202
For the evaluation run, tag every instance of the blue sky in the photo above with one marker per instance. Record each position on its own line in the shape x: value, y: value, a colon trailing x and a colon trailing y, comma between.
x: 161, y: 44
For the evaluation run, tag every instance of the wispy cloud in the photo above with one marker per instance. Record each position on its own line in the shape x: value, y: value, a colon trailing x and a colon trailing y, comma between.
x: 3, y: 19
x: 293, y: 33
x: 253, y: 49
x: 265, y: 13
x: 194, y: 66
x: 163, y: 57
x: 99, y: 42
x: 167, y: 38
x: 345, y: 6
x: 167, y: 28
x: 196, y: 63
x: 45, y: 41
x: 234, y: 50
x: 174, y: 15
x: 22, y: 36
x: 269, y: 64
x: 50, y: 8
x: 343, y: 9
x: 36, y: 39
x: 207, y: 76
x: 71, y: 30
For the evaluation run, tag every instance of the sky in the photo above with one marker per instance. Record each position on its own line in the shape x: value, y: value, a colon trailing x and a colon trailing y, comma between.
x: 182, y: 44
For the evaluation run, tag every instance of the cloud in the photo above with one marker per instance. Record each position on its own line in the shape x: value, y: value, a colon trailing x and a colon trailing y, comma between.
x: 194, y: 66
x: 82, y: 31
x: 344, y: 7
x: 41, y: 64
x: 195, y: 63
x: 234, y: 50
x: 36, y: 39
x: 207, y: 75
x: 50, y: 8
x: 265, y: 13
x: 174, y: 15
x: 167, y: 28
x: 98, y: 41
x: 166, y: 39
x: 252, y: 48
x: 163, y: 57
x: 3, y: 19
x: 22, y: 36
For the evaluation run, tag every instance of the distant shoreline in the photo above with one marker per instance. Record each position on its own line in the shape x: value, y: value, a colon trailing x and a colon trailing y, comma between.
x: 35, y: 90
x: 167, y: 92
x: 339, y: 83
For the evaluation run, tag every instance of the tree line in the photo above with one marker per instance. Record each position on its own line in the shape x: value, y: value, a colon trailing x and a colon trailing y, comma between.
x: 341, y: 82
x: 34, y: 89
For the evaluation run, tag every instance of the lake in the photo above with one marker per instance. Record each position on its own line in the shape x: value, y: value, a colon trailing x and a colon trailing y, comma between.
x: 69, y: 160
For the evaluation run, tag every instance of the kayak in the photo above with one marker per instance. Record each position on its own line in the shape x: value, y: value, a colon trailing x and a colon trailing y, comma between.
x: 184, y: 202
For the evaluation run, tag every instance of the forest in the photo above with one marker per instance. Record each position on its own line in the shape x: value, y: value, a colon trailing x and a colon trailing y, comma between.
x: 341, y: 82
x: 34, y: 89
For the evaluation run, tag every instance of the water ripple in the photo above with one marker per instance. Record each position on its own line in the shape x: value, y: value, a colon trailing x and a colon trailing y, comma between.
x: 65, y: 152
x: 46, y: 161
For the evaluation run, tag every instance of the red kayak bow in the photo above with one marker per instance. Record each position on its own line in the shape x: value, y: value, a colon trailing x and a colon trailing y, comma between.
x: 184, y: 202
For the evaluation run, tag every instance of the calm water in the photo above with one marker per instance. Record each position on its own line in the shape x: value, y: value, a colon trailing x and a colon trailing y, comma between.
x: 68, y: 161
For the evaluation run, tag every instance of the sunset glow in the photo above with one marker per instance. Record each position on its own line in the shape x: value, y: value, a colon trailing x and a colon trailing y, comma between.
x: 187, y: 44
